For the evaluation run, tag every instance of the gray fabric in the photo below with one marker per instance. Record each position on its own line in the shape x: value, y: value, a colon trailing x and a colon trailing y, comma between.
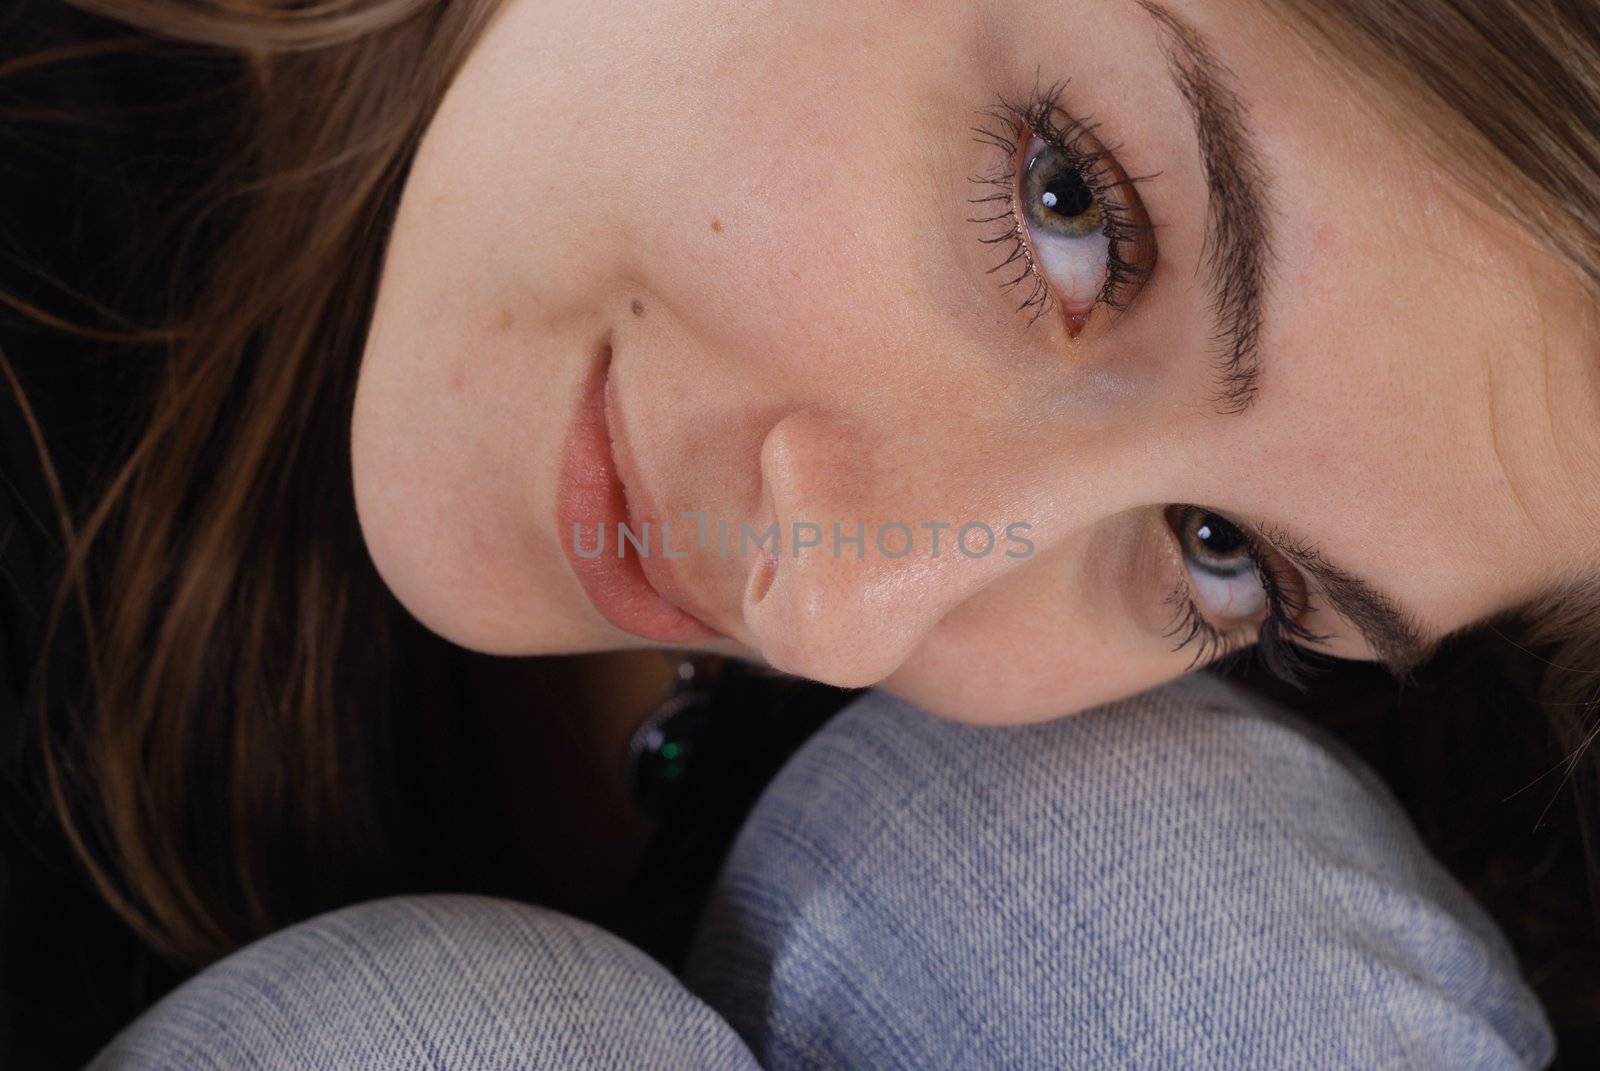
x: 1187, y: 879
x: 431, y: 982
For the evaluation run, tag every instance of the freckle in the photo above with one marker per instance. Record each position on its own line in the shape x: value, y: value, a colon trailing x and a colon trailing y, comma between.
x: 716, y: 226
x: 638, y: 307
x: 506, y: 320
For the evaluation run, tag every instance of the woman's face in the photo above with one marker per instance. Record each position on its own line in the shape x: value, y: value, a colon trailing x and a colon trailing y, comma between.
x: 731, y: 265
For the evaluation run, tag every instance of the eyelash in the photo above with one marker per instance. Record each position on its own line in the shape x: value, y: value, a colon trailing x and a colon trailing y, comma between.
x: 1010, y: 125
x: 1278, y: 638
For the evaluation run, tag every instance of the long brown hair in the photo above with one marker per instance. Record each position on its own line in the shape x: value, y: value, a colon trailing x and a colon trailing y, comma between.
x: 229, y: 734
x: 229, y: 728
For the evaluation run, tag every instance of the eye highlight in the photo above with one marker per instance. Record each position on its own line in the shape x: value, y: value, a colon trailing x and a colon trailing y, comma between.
x: 1235, y: 592
x: 1065, y: 213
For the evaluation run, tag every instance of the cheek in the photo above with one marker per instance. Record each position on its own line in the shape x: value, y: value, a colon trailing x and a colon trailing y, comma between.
x: 997, y: 670
x: 774, y: 250
x: 1073, y: 628
x: 804, y: 232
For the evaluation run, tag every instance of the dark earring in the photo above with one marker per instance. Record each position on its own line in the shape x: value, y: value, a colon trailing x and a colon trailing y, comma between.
x: 661, y: 751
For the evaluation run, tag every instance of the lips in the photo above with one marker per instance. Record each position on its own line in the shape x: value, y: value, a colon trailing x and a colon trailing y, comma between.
x: 593, y: 500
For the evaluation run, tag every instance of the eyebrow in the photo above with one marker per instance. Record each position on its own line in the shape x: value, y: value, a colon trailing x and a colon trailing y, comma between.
x: 1398, y: 641
x: 1238, y: 252
x: 1237, y: 248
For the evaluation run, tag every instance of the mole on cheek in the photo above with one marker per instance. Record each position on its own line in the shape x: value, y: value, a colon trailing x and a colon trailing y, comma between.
x: 638, y: 307
x: 716, y: 226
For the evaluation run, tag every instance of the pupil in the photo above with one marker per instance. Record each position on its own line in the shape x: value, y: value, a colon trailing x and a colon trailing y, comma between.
x: 1068, y: 195
x: 1218, y: 536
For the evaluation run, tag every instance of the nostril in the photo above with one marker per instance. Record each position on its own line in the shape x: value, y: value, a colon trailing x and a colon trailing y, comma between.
x: 761, y: 583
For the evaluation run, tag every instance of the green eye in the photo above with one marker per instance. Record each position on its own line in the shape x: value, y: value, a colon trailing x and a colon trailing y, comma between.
x: 1057, y: 199
x: 1076, y: 230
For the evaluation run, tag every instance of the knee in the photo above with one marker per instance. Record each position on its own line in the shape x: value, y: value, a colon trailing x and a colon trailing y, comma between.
x: 1192, y: 854
x: 457, y: 981
x: 1196, y: 772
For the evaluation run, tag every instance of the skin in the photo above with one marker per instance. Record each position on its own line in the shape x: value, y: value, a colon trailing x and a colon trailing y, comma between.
x: 763, y: 209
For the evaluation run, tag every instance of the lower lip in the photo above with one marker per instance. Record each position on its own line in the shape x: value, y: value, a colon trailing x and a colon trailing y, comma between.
x: 592, y: 498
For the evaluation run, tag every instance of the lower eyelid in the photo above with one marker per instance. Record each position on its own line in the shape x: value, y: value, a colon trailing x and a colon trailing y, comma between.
x: 1155, y: 570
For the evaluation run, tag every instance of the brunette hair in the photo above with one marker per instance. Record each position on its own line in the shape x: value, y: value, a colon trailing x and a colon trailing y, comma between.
x: 233, y: 622
x: 219, y: 773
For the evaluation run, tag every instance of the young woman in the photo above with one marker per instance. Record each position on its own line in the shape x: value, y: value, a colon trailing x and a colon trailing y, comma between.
x: 1010, y: 359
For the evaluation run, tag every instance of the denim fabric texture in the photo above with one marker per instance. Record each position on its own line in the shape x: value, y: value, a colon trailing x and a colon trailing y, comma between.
x: 1189, y: 878
x: 431, y: 982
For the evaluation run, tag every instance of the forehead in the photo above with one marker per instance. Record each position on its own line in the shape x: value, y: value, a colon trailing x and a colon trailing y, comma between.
x: 1430, y: 402
x: 1432, y: 372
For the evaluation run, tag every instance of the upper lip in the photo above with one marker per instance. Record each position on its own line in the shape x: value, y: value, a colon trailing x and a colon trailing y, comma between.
x: 640, y: 507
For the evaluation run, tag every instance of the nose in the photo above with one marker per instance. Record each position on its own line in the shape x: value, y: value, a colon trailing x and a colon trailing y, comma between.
x: 872, y: 549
